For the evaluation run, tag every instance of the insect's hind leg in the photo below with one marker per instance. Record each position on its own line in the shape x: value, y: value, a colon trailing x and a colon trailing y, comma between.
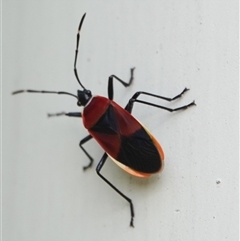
x: 130, y: 104
x: 98, y: 169
x: 110, y: 83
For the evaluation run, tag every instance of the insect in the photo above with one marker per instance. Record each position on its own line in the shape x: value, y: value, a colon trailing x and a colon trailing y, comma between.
x: 123, y: 138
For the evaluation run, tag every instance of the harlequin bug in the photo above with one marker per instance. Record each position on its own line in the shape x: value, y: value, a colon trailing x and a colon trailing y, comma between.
x: 123, y: 138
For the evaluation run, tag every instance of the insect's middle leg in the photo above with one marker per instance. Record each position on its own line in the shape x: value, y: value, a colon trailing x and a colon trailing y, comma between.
x: 110, y: 83
x: 98, y: 169
x: 134, y: 99
x: 84, y: 140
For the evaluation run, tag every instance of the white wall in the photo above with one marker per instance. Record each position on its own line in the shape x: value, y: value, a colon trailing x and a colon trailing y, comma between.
x: 173, y: 44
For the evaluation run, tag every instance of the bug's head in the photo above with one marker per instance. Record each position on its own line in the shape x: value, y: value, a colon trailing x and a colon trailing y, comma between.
x: 83, y: 97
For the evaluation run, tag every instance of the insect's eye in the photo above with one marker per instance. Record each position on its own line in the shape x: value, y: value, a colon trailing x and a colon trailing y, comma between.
x: 79, y: 103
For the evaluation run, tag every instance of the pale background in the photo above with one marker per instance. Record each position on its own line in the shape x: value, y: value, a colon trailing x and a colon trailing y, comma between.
x: 173, y: 44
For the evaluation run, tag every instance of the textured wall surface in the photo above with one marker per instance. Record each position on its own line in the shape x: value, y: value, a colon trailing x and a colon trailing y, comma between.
x: 173, y: 44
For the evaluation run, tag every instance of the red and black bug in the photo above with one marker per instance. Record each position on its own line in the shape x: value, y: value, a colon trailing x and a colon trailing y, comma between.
x: 124, y: 139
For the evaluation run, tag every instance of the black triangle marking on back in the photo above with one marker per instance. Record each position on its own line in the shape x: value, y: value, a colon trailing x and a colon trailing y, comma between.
x: 107, y: 123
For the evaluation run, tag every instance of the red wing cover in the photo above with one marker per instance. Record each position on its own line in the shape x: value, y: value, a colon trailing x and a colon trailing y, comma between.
x: 127, y: 141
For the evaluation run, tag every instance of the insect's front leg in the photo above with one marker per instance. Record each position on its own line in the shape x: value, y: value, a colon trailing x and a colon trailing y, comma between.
x: 110, y: 83
x: 84, y: 140
x: 70, y: 114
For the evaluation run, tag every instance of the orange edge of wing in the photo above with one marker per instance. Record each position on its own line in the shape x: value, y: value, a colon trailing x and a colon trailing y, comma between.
x: 142, y: 174
x: 129, y: 170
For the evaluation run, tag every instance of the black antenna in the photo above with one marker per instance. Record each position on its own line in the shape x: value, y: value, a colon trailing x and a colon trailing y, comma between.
x: 76, y: 52
x: 44, y: 92
x: 75, y: 71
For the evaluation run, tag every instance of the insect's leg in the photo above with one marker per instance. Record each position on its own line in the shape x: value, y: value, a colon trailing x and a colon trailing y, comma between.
x: 110, y: 83
x: 98, y: 169
x: 129, y: 106
x: 84, y: 140
x: 137, y: 94
x: 71, y: 114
